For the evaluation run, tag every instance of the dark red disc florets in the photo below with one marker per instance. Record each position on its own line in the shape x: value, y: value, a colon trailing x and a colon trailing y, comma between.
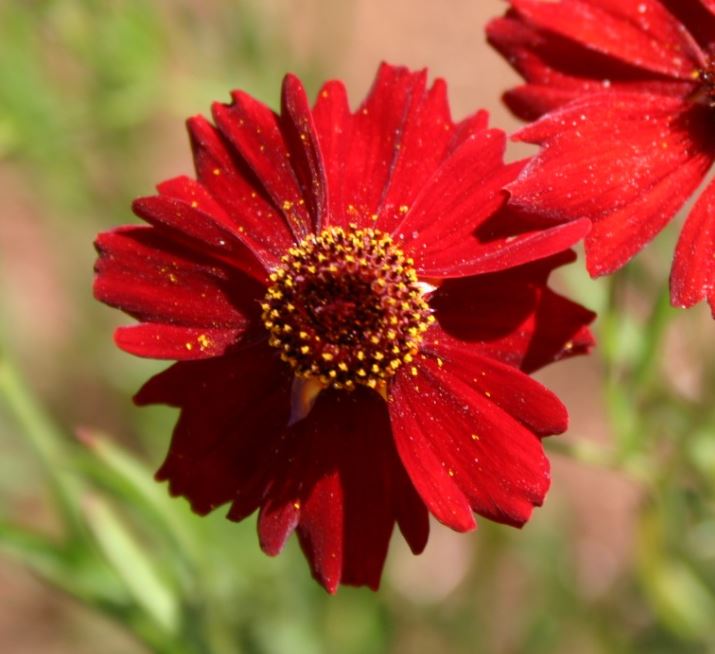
x: 345, y: 307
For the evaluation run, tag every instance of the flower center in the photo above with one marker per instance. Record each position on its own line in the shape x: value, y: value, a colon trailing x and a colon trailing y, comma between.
x: 345, y: 308
x: 704, y: 93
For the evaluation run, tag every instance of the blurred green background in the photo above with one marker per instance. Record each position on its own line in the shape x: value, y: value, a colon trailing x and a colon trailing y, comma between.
x: 94, y: 556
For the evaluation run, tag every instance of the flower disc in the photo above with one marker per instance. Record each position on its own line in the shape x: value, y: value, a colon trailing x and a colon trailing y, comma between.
x: 346, y: 308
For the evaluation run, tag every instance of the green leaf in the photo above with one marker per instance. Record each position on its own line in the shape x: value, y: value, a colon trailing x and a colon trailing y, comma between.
x: 45, y: 438
x: 681, y: 599
x: 131, y: 563
x: 38, y: 552
x: 132, y: 482
x: 71, y: 568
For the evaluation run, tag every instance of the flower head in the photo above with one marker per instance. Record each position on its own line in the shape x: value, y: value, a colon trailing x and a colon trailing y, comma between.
x: 353, y: 312
x: 629, y: 87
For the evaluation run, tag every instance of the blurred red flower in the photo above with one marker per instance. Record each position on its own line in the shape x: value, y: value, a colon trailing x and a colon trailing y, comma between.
x: 353, y: 312
x: 630, y: 90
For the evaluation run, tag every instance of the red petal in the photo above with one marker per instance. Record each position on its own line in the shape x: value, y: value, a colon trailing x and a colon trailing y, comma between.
x: 333, y: 124
x: 426, y: 138
x: 618, y: 236
x: 342, y: 487
x: 526, y: 324
x: 234, y: 410
x: 559, y: 69
x: 693, y: 276
x: 379, y: 157
x: 629, y: 179
x: 438, y: 231
x: 412, y: 515
x: 320, y: 530
x: 302, y: 141
x: 412, y: 415
x: 254, y: 131
x: 158, y: 341
x: 697, y: 16
x: 465, y: 191
x: 531, y: 101
x: 474, y: 257
x: 186, y: 212
x: 458, y: 445
x: 469, y: 127
x: 257, y: 222
x: 155, y: 280
x: 536, y: 407
x: 276, y: 522
x: 377, y: 131
x: 558, y: 330
x: 642, y: 33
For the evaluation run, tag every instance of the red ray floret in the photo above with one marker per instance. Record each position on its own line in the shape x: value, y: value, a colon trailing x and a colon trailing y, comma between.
x: 353, y: 312
x: 626, y: 89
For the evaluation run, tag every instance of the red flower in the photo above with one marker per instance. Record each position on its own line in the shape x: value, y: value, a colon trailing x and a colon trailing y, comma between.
x: 353, y: 318
x: 630, y: 85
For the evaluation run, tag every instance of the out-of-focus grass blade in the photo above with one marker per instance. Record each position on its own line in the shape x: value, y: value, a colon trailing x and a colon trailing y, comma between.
x: 39, y: 553
x: 682, y: 601
x: 73, y: 570
x: 132, y: 564
x: 701, y: 451
x: 45, y: 438
x: 127, y: 478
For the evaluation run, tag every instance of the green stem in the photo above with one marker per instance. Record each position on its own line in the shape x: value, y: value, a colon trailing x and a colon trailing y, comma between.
x: 619, y: 399
x: 653, y: 335
x: 630, y: 380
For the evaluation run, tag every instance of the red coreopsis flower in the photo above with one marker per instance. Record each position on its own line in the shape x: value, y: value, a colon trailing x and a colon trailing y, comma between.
x: 630, y: 90
x: 354, y: 315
